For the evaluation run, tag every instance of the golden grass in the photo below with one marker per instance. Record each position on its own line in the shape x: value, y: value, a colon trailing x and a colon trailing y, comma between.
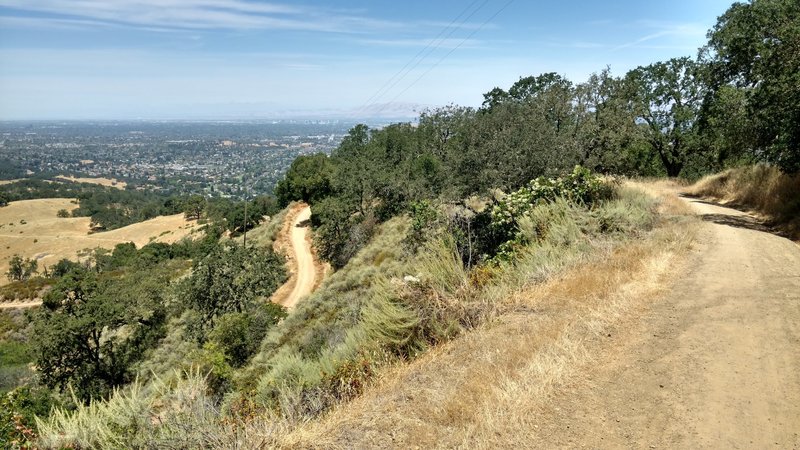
x: 108, y: 182
x: 56, y: 238
x: 490, y: 387
x: 762, y: 189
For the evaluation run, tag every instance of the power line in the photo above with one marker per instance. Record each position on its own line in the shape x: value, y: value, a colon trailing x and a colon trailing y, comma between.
x: 434, y: 44
x: 448, y: 54
x: 380, y: 91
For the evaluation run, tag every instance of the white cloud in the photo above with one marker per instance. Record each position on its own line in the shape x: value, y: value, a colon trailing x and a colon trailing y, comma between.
x: 689, y: 32
x: 196, y: 14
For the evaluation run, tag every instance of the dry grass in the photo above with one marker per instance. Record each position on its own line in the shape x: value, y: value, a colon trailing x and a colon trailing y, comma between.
x: 56, y: 238
x: 489, y: 388
x: 108, y: 182
x: 763, y: 189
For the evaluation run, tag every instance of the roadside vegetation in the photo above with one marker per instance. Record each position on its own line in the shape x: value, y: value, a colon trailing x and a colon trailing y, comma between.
x: 763, y: 189
x: 400, y: 296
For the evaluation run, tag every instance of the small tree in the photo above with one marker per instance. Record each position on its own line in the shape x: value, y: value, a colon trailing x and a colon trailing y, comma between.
x: 63, y: 267
x: 232, y: 279
x: 62, y: 213
x: 194, y: 207
x: 21, y: 269
x: 89, y: 333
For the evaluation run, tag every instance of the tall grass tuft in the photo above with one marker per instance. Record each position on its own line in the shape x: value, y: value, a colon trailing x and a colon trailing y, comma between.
x: 557, y: 223
x: 631, y: 212
x: 762, y: 188
x: 167, y: 413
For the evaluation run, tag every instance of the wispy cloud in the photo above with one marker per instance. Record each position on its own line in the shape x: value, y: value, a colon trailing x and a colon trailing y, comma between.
x: 690, y: 31
x: 191, y: 14
x: 54, y: 23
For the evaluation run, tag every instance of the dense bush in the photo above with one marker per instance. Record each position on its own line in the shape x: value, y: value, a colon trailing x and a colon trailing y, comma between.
x: 107, y: 323
x: 232, y: 279
x: 18, y: 410
x: 239, y: 335
x: 580, y: 186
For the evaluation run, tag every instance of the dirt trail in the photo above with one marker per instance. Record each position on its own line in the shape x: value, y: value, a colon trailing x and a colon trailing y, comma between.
x: 716, y: 364
x: 20, y: 305
x: 649, y: 348
x: 305, y: 273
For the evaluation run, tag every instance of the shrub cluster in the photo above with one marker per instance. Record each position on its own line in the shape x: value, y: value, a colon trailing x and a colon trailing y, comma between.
x: 581, y: 186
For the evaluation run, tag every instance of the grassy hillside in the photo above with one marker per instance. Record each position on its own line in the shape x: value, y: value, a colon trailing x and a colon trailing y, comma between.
x: 388, y: 306
x: 33, y: 229
x: 763, y: 189
x: 489, y: 388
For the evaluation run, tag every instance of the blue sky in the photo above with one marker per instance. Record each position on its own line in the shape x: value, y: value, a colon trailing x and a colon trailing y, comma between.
x: 203, y: 59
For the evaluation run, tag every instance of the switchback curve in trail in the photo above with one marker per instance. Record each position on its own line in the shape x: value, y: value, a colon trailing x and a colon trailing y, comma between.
x: 305, y: 272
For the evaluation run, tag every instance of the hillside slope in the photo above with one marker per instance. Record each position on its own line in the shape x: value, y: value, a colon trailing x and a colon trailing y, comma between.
x: 638, y: 350
x: 32, y: 229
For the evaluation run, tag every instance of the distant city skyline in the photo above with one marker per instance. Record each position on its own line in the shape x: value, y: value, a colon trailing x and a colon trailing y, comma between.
x: 207, y: 59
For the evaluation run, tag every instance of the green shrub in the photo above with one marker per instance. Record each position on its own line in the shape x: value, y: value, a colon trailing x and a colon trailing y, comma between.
x: 212, y: 362
x: 18, y: 410
x: 580, y: 186
x: 239, y: 335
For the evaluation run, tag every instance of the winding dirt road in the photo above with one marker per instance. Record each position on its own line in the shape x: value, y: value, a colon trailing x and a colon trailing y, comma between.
x: 716, y: 364
x: 304, y: 271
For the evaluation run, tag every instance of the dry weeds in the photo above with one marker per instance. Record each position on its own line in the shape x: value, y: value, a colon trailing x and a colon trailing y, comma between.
x: 108, y: 182
x: 492, y: 387
x: 762, y: 189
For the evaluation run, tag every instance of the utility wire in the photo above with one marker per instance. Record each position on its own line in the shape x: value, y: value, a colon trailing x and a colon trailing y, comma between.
x: 433, y: 45
x: 447, y: 55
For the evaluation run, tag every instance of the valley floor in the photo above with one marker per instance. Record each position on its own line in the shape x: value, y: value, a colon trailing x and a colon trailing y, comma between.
x: 662, y: 344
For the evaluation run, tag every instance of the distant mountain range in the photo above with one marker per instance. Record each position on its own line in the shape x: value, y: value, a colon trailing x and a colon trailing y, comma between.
x: 396, y: 111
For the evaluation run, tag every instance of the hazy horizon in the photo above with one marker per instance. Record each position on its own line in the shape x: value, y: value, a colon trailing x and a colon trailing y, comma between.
x: 239, y: 59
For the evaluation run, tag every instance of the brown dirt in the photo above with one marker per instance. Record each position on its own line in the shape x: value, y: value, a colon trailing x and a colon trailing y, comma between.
x: 648, y: 348
x: 715, y: 364
x: 20, y: 305
x: 58, y: 238
x: 294, y: 241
